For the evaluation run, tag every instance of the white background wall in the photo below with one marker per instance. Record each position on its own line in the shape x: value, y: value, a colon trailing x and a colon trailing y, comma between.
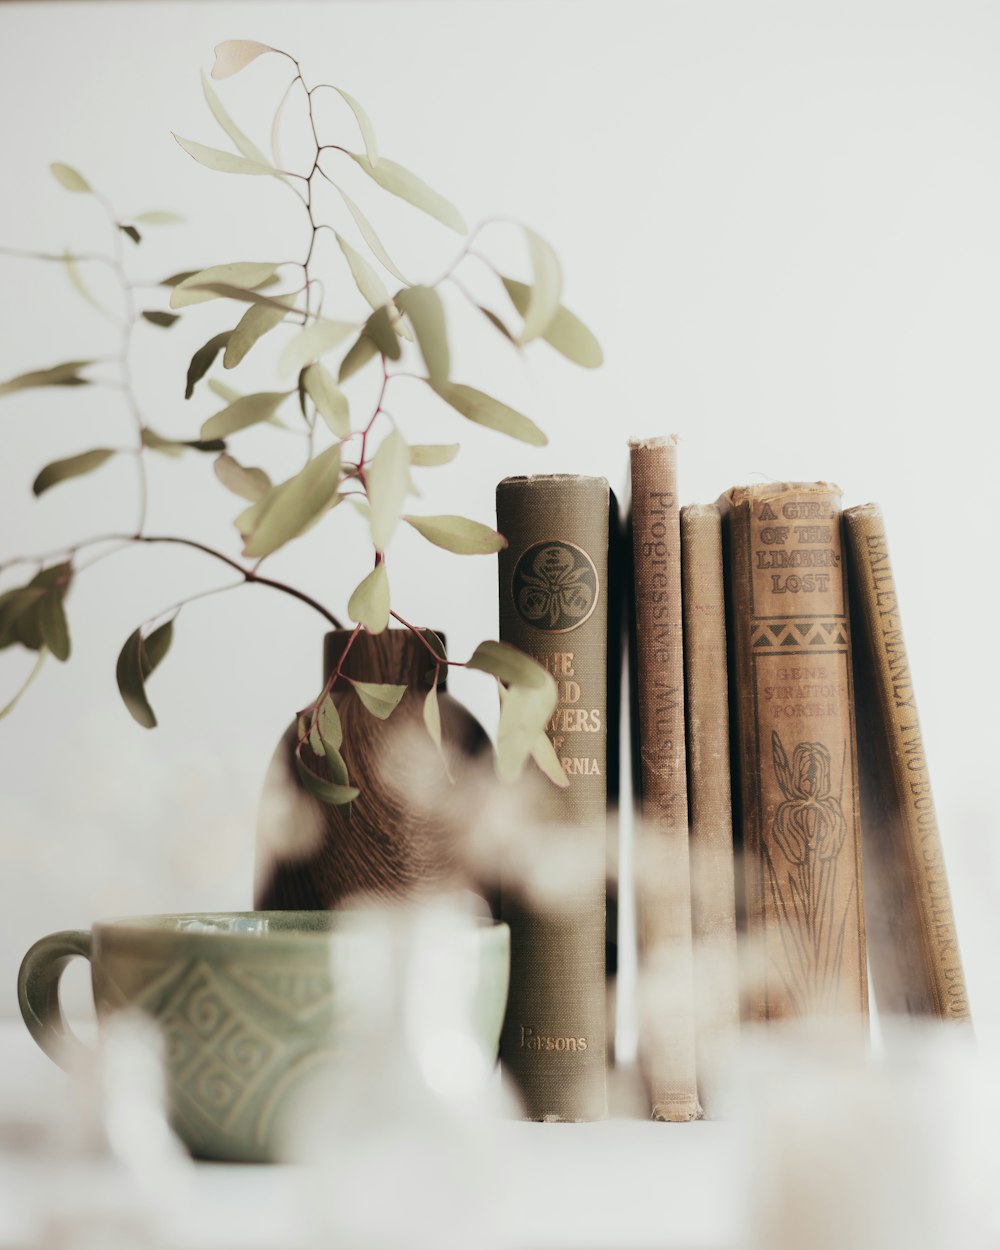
x: 780, y: 220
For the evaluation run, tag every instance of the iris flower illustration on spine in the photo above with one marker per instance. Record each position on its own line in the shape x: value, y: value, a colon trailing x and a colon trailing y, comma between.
x: 809, y: 829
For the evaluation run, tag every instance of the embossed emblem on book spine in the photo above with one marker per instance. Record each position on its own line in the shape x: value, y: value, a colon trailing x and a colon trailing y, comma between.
x: 555, y: 586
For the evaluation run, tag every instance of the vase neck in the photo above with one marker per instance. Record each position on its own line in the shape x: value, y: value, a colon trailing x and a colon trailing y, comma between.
x: 396, y: 656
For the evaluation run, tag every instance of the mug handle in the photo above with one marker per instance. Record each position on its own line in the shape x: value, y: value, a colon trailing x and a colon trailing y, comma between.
x: 38, y: 994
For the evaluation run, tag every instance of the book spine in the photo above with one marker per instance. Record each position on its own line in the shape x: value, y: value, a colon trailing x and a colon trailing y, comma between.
x: 916, y: 965
x: 797, y: 757
x: 713, y: 890
x: 663, y: 885
x: 554, y: 606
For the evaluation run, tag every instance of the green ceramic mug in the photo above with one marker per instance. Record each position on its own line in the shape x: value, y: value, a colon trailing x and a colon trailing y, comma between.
x: 248, y: 1004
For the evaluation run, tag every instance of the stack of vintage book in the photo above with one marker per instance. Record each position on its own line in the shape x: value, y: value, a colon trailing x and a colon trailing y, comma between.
x: 778, y: 761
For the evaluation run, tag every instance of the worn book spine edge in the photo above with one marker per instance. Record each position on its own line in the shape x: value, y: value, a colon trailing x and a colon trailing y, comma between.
x: 553, y: 1044
x: 663, y: 885
x: 914, y: 952
x: 803, y: 950
x: 713, y: 890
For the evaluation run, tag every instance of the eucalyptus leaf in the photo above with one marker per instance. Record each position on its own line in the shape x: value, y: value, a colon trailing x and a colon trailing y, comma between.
x: 565, y: 332
x: 364, y: 125
x: 423, y: 306
x: 242, y: 143
x: 430, y: 455
x: 361, y: 351
x: 546, y: 287
x: 229, y: 393
x: 175, y: 446
x: 133, y: 668
x: 380, y: 699
x: 388, y: 480
x: 81, y: 288
x: 312, y: 342
x: 163, y: 319
x: 512, y: 666
x: 203, y: 359
x: 330, y: 400
x: 330, y: 727
x: 72, y: 466
x: 232, y: 55
x: 197, y: 288
x: 222, y: 162
x: 380, y: 329
x: 497, y: 324
x: 254, y: 324
x: 458, y: 534
x: 401, y: 182
x: 524, y: 713
x: 432, y: 716
x: 369, y: 604
x: 13, y: 603
x: 288, y: 509
x: 53, y: 625
x: 158, y: 217
x: 69, y: 178
x: 544, y: 755
x: 252, y: 484
x: 336, y: 767
x: 225, y: 290
x: 315, y: 742
x: 328, y: 791
x: 243, y: 412
x: 67, y: 374
x: 485, y: 410
x: 131, y: 231
x: 9, y: 707
x: 371, y: 286
x: 369, y: 235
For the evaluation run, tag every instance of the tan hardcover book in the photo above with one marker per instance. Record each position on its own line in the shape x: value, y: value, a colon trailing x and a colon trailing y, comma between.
x: 663, y: 884
x: 913, y: 947
x: 713, y: 890
x: 554, y: 605
x: 797, y: 757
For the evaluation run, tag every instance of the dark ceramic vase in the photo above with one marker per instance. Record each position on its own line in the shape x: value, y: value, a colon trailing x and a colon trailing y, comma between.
x: 386, y: 843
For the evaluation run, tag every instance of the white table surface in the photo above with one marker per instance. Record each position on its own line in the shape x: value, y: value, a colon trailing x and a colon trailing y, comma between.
x: 622, y: 1184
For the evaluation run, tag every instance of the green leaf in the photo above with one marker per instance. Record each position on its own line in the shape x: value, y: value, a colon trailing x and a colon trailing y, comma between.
x: 232, y: 55
x: 315, y: 742
x: 524, y: 713
x: 330, y: 728
x: 222, y: 162
x: 484, y: 410
x: 361, y: 352
x: 157, y: 318
x: 380, y: 329
x: 432, y: 716
x: 402, y: 182
x: 369, y: 604
x: 246, y: 411
x: 369, y: 235
x: 364, y: 125
x: 252, y: 484
x: 458, y: 534
x: 544, y: 755
x: 158, y: 217
x: 241, y: 275
x: 423, y: 306
x: 13, y: 604
x: 58, y: 375
x: 512, y: 666
x: 135, y: 663
x: 330, y: 400
x: 380, y: 699
x: 9, y: 707
x: 430, y: 455
x: 243, y: 144
x: 203, y: 359
x: 328, y: 791
x: 131, y: 231
x: 388, y: 480
x: 312, y: 342
x: 546, y: 287
x: 68, y: 177
x: 565, y: 332
x: 72, y: 466
x: 81, y: 288
x: 497, y: 324
x: 368, y: 282
x: 175, y: 446
x: 288, y: 509
x: 255, y: 322
x: 229, y: 393
x: 53, y: 625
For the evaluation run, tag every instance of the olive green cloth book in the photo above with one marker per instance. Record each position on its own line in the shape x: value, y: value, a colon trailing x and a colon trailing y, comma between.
x: 796, y: 754
x: 913, y: 947
x: 554, y: 605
